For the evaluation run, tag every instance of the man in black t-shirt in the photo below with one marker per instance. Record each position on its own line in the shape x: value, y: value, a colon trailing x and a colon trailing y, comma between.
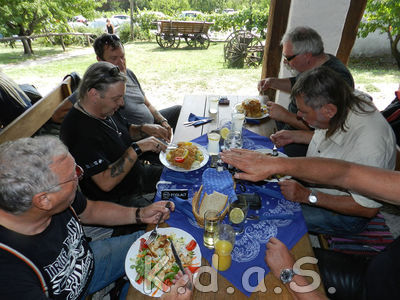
x: 106, y: 145
x: 303, y: 50
x: 43, y: 250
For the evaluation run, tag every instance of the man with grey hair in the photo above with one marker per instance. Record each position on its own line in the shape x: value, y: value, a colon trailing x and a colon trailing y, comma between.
x: 303, y: 50
x: 43, y: 250
x: 106, y: 145
x: 346, y: 127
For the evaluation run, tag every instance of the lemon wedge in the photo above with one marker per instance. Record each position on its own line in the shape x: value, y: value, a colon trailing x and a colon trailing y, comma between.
x: 224, y: 132
x: 236, y: 215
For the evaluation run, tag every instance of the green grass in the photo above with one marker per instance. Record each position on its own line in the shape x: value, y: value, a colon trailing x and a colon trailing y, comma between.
x: 168, y: 74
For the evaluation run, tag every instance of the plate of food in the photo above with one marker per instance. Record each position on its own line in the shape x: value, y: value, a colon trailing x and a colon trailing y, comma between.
x: 253, y: 109
x: 187, y: 157
x: 276, y: 177
x: 155, y: 278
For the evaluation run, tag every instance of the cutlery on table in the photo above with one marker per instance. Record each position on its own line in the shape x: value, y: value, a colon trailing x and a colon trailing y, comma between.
x: 197, y: 122
x: 153, y: 233
x: 179, y: 263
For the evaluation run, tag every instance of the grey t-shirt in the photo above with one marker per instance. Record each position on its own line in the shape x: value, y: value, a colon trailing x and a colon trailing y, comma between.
x: 135, y: 110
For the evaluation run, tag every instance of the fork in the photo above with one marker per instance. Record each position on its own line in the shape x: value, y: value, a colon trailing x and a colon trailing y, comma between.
x: 275, y: 149
x: 153, y: 233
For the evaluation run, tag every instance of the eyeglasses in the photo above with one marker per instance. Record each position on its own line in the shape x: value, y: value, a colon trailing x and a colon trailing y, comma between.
x: 79, y: 175
x: 290, y: 57
x: 113, y: 72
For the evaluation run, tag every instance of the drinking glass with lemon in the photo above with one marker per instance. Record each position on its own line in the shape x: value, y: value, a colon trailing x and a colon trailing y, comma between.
x: 224, y: 241
x: 237, y: 214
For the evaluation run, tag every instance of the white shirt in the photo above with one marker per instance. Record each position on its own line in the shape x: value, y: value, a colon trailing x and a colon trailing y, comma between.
x: 368, y: 140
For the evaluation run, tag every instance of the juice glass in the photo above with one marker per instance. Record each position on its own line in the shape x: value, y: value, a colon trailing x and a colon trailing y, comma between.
x: 213, y: 105
x: 224, y: 240
x: 237, y: 121
x: 211, y: 221
x: 237, y: 215
x: 213, y: 142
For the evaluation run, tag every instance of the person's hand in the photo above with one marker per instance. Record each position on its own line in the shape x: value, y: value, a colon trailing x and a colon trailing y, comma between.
x: 278, y: 257
x: 264, y: 84
x: 180, y: 290
x: 294, y: 191
x: 255, y: 166
x: 277, y: 112
x: 168, y: 127
x: 283, y: 137
x: 151, y: 144
x: 157, y: 131
x: 151, y: 213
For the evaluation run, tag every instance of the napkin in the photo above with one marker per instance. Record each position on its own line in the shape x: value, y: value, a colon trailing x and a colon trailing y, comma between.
x: 183, y: 206
x: 202, y: 120
x: 252, y: 121
x: 178, y: 178
x: 220, y: 181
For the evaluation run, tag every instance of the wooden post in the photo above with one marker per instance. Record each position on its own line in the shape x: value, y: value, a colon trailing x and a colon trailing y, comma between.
x: 350, y: 28
x: 131, y: 8
x: 277, y: 23
x: 62, y: 43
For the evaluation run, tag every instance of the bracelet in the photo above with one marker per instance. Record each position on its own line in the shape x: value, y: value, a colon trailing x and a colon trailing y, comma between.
x: 136, y: 148
x: 137, y: 216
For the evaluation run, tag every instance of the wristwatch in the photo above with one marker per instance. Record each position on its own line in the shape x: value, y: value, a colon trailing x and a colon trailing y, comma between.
x: 312, y: 198
x: 287, y: 275
x: 136, y: 148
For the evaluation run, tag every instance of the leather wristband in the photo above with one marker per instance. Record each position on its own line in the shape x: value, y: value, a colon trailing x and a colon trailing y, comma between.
x: 137, y: 216
x: 136, y: 148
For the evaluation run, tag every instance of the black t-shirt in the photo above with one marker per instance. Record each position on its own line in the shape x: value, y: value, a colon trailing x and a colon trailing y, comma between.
x: 95, y: 146
x: 332, y: 63
x: 60, y: 252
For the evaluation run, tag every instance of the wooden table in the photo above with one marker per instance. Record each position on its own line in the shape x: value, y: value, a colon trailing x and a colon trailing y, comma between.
x: 198, y: 105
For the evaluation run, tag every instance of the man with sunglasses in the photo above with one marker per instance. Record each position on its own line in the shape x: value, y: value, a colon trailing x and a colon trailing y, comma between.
x: 137, y: 108
x: 106, y: 145
x: 44, y: 253
x: 303, y: 50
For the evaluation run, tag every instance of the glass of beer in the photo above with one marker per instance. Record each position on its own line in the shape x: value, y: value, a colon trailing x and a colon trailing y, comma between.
x: 224, y: 241
x: 211, y: 221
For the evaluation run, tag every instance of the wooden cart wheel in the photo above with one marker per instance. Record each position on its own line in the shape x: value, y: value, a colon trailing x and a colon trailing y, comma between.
x: 168, y: 40
x: 190, y: 40
x: 241, y: 48
x: 202, y: 40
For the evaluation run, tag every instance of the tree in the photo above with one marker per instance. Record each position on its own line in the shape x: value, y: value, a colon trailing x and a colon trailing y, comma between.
x: 383, y: 15
x: 169, y: 7
x: 26, y: 17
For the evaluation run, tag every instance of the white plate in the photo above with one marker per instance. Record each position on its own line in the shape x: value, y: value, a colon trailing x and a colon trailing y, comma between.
x: 258, y: 118
x: 267, y: 150
x: 165, y: 162
x: 134, y: 250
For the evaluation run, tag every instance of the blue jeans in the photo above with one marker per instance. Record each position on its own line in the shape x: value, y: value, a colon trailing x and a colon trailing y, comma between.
x: 320, y: 220
x: 109, y: 260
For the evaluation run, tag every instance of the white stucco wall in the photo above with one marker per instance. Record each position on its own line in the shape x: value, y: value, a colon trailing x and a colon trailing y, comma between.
x: 327, y: 17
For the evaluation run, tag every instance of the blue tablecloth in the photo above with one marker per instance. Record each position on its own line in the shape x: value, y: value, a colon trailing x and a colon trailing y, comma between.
x: 249, y: 251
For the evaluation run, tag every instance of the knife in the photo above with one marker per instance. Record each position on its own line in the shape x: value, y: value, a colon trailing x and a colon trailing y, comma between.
x: 179, y: 263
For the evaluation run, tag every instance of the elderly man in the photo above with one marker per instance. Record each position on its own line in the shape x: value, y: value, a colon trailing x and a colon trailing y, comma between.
x: 347, y: 128
x: 303, y: 50
x: 380, y: 277
x: 137, y: 108
x: 43, y: 250
x: 106, y: 145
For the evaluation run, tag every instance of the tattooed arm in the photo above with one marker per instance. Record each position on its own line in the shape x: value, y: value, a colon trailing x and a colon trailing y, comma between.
x: 116, y: 172
x: 110, y: 177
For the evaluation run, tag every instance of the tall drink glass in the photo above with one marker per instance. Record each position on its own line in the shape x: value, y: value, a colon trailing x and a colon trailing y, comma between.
x: 213, y: 142
x: 213, y: 105
x: 224, y: 241
x: 237, y: 121
x: 211, y: 221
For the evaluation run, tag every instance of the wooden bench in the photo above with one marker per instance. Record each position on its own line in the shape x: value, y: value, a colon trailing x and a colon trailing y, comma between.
x: 195, y: 33
x: 35, y: 117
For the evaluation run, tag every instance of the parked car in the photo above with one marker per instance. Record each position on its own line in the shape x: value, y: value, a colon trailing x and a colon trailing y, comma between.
x: 121, y: 17
x: 101, y: 23
x: 190, y: 13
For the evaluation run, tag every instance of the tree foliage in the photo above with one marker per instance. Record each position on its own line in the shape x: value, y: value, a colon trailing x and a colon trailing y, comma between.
x: 27, y: 17
x: 383, y: 16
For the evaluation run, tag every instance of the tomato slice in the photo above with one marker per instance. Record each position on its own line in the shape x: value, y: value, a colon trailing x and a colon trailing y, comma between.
x: 192, y: 244
x: 168, y: 282
x: 193, y: 269
x: 140, y: 280
x: 143, y: 244
x: 179, y: 159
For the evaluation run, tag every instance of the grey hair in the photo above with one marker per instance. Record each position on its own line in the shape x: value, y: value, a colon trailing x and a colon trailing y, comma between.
x: 100, y: 76
x: 25, y: 170
x: 304, y: 39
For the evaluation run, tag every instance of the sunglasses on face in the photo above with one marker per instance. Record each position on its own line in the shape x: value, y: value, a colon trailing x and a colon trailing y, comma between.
x: 113, y: 72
